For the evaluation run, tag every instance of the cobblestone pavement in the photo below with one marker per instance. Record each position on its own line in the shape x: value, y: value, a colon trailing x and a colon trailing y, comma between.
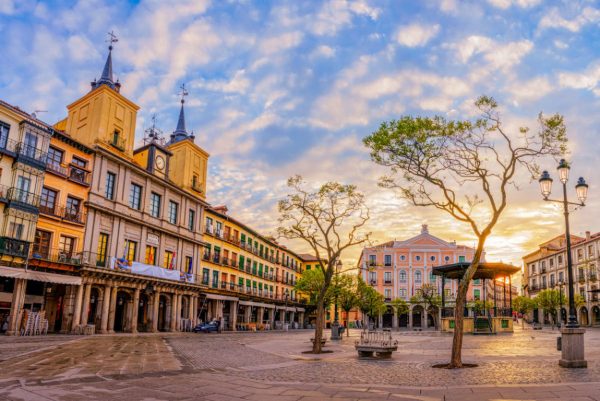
x: 272, y: 366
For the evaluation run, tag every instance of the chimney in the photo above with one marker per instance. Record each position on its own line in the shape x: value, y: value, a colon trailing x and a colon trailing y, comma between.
x: 588, y: 235
x: 221, y: 209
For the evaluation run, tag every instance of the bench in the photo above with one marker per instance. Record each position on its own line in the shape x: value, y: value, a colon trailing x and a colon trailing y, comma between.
x: 379, y: 343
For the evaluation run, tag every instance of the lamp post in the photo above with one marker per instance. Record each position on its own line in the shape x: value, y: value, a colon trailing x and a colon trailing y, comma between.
x: 286, y: 296
x: 572, y: 347
x: 335, y: 326
x: 561, y: 284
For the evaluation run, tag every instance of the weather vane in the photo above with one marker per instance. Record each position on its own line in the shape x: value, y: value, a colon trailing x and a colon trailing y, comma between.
x: 183, y: 93
x: 153, y: 134
x: 112, y: 38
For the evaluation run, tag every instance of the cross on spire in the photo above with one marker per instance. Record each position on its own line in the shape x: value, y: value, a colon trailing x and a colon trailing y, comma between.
x: 183, y: 93
x: 112, y: 38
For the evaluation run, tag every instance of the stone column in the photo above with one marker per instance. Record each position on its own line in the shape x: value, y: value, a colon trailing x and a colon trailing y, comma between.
x: 16, y: 306
x: 77, y: 308
x: 233, y: 308
x: 68, y: 301
x: 272, y: 317
x: 380, y: 321
x: 410, y: 318
x: 105, y: 309
x: 191, y: 309
x: 300, y: 320
x: 260, y: 315
x: 247, y: 313
x: 85, y: 309
x: 173, y: 325
x: 395, y: 319
x: 424, y: 320
x: 155, y: 308
x: 135, y: 311
x: 112, y: 309
x: 292, y: 318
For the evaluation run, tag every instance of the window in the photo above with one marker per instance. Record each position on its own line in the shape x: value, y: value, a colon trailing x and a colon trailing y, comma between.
x: 372, y: 278
x: 23, y: 185
x: 135, y: 196
x: 173, y: 211
x: 532, y: 268
x: 403, y: 257
x: 591, y: 250
x: 560, y: 277
x: 111, y: 179
x: 215, y: 280
x: 155, y: 200
x: 387, y: 277
x: 205, y: 276
x: 552, y: 283
x: 72, y: 209
x: 418, y: 278
x: 544, y: 281
x: 55, y: 157
x: 402, y: 292
x: 76, y: 161
x: 432, y: 258
x: 372, y: 260
x: 168, y: 260
x: 477, y: 281
x: 219, y: 228
x: 191, y: 219
x: 447, y: 258
x: 102, y: 249
x: 417, y: 258
x: 41, y: 244
x: 462, y: 258
x: 48, y: 200
x: 402, y: 276
x: 4, y: 130
x: 15, y: 230
x: 388, y: 293
x: 388, y: 260
x: 189, y: 264
x: 551, y: 262
x: 579, y: 254
x: 477, y: 294
x: 30, y: 145
x: 150, y: 257
x: 66, y: 245
x: 130, y: 250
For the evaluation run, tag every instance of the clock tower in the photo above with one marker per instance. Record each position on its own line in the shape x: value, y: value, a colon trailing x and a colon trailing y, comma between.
x: 153, y: 156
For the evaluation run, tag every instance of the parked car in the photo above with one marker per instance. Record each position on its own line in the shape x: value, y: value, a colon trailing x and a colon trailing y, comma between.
x: 207, y: 327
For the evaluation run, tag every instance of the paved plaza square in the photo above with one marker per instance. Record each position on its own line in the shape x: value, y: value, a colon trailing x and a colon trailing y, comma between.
x: 272, y: 366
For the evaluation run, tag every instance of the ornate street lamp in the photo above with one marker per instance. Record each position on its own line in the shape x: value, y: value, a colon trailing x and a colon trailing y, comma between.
x: 335, y: 326
x: 572, y: 355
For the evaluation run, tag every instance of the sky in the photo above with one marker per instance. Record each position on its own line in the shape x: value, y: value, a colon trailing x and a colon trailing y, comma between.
x: 278, y: 88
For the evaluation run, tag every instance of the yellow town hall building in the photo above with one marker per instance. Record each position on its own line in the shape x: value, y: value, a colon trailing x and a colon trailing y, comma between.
x: 100, y: 236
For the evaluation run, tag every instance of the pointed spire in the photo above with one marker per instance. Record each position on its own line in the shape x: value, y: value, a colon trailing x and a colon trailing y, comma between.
x: 107, y: 72
x: 180, y: 132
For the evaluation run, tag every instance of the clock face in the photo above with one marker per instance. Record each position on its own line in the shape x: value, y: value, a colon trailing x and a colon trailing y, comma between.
x: 160, y: 162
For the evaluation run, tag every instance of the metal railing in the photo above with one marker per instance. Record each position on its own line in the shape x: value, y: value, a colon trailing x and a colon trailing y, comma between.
x: 56, y: 255
x: 22, y: 196
x: 56, y: 168
x: 31, y: 153
x: 14, y: 247
x: 78, y: 175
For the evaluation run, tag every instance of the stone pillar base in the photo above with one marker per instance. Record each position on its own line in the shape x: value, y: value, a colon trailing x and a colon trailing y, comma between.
x: 573, y: 355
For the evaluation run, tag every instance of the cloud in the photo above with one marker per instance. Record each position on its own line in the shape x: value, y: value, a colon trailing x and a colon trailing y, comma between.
x: 280, y: 42
x: 323, y: 51
x: 530, y: 90
x: 554, y: 19
x: 238, y: 83
x: 504, y: 4
x: 587, y: 79
x: 498, y: 55
x: 415, y: 35
x: 336, y: 14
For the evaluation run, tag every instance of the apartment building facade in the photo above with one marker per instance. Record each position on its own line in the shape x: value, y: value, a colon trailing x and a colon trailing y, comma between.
x: 546, y: 268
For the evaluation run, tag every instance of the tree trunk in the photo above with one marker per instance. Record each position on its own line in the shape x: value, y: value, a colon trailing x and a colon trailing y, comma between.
x: 319, y: 326
x: 461, y: 298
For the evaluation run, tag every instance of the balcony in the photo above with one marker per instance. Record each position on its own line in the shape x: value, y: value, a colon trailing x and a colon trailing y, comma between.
x: 372, y: 263
x: 14, y: 247
x: 31, y: 155
x: 373, y: 282
x: 22, y: 197
x: 593, y: 277
x: 56, y: 168
x: 209, y: 230
x: 196, y: 186
x: 206, y: 256
x: 61, y: 256
x: 387, y: 282
x: 79, y: 176
x: 8, y: 146
x: 581, y: 279
x: 388, y: 264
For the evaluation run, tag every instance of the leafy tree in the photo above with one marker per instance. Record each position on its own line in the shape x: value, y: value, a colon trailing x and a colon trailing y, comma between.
x: 428, y: 296
x: 330, y: 220
x: 371, y: 302
x: 550, y: 300
x: 465, y: 169
x: 400, y: 306
x: 480, y: 307
x: 523, y: 305
x: 311, y: 283
x: 347, y: 290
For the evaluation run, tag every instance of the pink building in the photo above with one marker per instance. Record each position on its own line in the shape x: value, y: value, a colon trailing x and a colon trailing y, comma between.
x: 397, y: 269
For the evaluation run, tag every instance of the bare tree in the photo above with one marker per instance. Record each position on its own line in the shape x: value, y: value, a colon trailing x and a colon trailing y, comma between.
x: 330, y: 220
x: 464, y: 168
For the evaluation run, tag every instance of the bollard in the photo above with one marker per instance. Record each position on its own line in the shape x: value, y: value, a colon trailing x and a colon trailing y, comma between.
x: 559, y: 343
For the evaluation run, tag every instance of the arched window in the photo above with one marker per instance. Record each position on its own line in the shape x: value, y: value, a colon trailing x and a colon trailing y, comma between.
x: 418, y: 276
x: 402, y: 276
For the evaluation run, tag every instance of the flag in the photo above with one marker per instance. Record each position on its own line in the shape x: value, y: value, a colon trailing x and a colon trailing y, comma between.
x: 190, y: 266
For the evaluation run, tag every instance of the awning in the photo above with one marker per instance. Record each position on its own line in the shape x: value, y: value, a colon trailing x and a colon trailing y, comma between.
x: 287, y: 308
x: 259, y: 304
x: 221, y: 297
x: 39, y: 276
